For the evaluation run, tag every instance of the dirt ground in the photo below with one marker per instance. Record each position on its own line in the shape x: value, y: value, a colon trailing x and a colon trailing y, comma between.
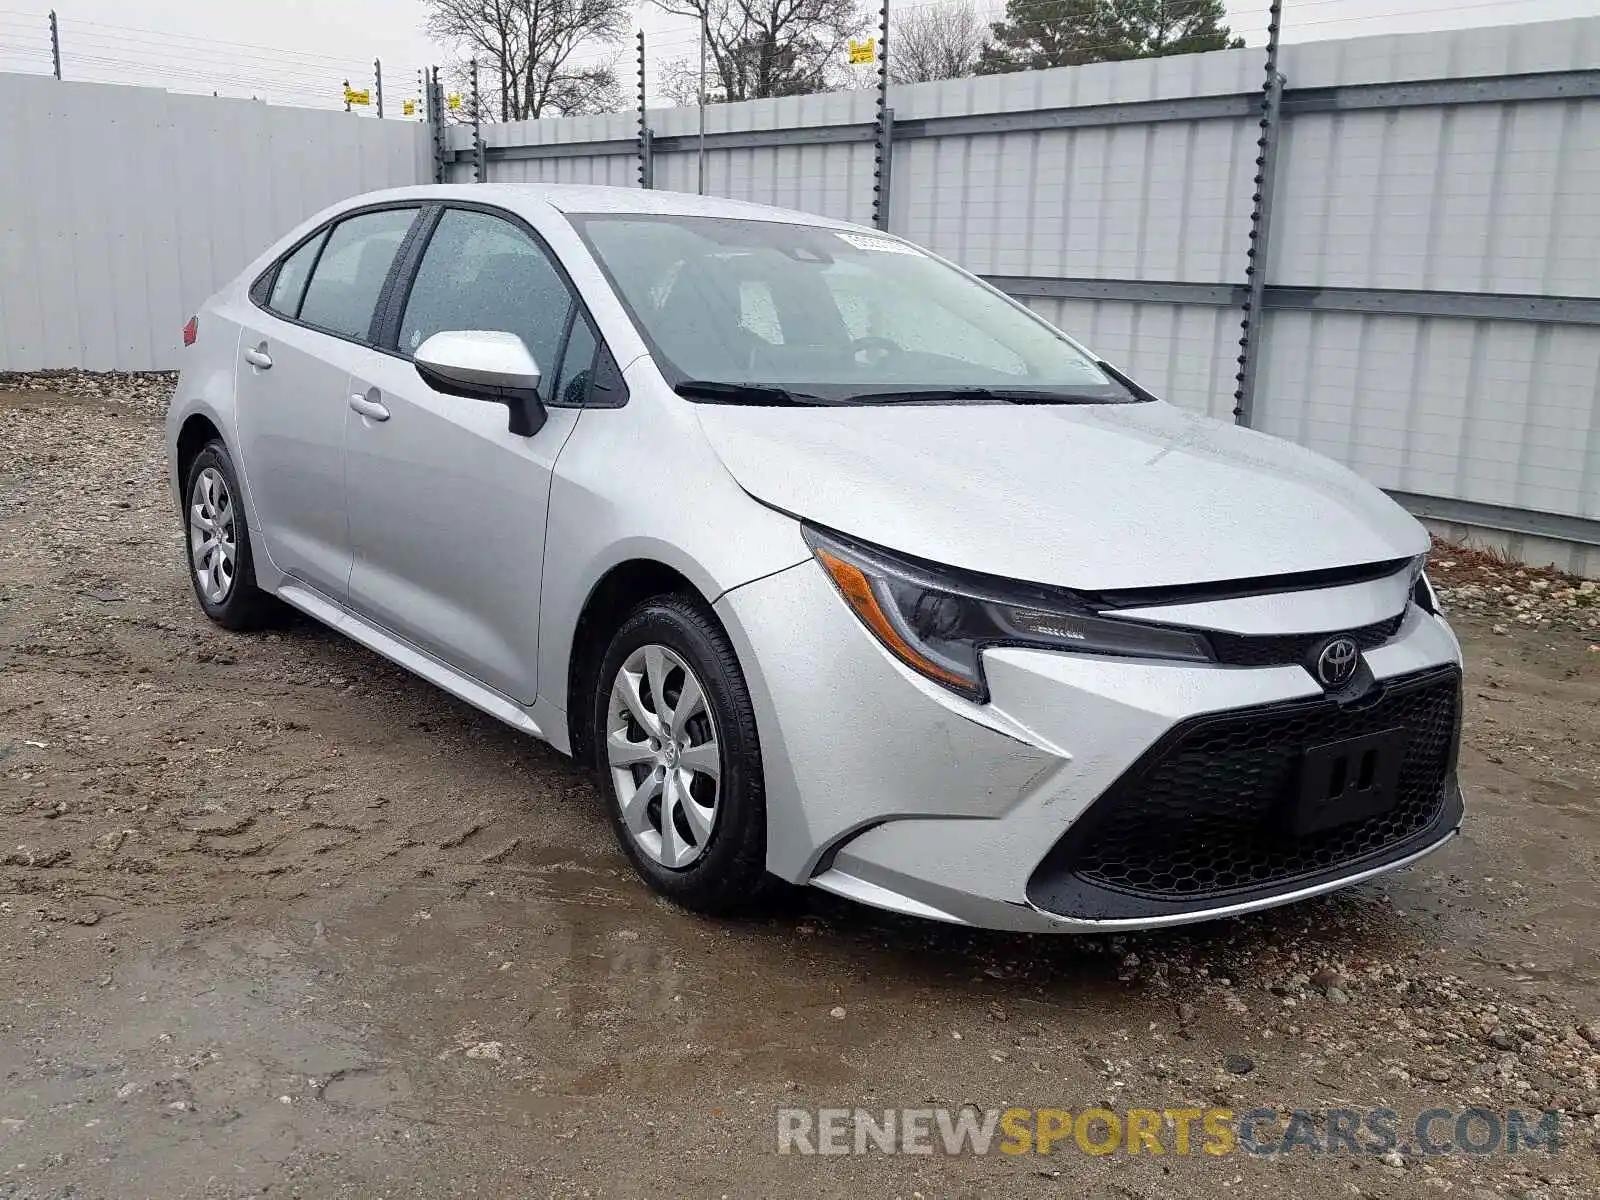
x: 276, y: 918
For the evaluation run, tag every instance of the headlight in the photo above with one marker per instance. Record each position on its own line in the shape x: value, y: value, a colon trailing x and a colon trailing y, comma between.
x: 938, y: 621
x: 1421, y: 590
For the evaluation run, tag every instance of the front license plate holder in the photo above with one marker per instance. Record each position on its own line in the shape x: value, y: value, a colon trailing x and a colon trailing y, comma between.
x: 1348, y: 780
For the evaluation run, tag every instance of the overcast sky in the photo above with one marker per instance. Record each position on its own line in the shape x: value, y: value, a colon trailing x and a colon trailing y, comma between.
x: 298, y: 51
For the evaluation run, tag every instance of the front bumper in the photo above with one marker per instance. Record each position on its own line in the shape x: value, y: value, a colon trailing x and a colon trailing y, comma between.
x: 887, y: 788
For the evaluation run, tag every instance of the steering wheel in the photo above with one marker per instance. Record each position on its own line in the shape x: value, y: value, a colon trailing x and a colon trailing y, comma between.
x: 871, y: 351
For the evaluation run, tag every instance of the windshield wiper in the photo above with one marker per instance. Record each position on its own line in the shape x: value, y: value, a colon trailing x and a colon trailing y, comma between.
x: 765, y: 394
x: 1007, y: 395
x: 743, y: 393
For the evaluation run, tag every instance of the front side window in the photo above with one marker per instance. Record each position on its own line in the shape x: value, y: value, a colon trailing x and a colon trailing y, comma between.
x: 290, y: 283
x: 823, y: 315
x: 349, y: 276
x: 577, y: 365
x: 481, y: 272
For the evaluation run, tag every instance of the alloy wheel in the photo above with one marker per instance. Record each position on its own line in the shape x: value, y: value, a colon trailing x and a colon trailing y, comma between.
x: 213, y: 548
x: 666, y: 765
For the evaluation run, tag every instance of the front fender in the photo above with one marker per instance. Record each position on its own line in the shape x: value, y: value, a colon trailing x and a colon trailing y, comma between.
x: 640, y: 483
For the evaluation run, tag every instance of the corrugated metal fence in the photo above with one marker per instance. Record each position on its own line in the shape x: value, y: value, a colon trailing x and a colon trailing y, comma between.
x: 1432, y: 314
x: 122, y: 208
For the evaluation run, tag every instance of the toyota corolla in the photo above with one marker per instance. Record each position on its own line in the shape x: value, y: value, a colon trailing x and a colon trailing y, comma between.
x: 841, y: 567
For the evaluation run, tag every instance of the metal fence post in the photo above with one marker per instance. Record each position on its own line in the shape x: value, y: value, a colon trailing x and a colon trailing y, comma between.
x: 436, y: 117
x: 883, y: 149
x: 646, y: 165
x: 700, y: 158
x: 478, y: 173
x: 377, y: 83
x: 55, y: 43
x: 1255, y: 271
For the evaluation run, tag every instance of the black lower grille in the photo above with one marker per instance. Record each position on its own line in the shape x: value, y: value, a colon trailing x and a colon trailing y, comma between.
x: 1254, y: 650
x: 1202, y: 816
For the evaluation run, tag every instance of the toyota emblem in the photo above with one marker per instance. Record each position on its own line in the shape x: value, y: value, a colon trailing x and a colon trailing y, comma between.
x: 1336, y: 664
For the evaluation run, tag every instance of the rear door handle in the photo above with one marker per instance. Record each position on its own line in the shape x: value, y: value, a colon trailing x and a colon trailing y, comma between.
x: 368, y: 408
x: 258, y: 357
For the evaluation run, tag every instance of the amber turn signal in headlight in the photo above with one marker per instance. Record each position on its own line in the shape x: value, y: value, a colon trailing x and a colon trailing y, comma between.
x: 938, y: 621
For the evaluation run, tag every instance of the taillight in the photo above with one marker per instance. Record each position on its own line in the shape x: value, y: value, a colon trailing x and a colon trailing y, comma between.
x: 191, y: 331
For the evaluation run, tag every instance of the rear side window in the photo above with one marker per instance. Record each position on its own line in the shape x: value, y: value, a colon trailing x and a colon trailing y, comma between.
x: 350, y: 274
x: 483, y: 273
x: 290, y: 284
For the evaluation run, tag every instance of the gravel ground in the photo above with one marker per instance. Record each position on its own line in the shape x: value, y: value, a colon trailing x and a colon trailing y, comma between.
x: 1540, y: 598
x: 276, y: 918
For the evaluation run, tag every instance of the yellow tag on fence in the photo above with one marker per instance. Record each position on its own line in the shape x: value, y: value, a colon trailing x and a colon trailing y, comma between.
x: 863, y: 52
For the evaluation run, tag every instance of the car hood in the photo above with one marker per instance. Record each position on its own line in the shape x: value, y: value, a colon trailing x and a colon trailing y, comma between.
x: 1096, y: 497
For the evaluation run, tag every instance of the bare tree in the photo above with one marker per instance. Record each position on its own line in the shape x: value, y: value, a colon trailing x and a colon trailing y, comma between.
x: 679, y: 83
x: 763, y: 48
x: 525, y: 48
x: 936, y: 41
x: 483, y: 29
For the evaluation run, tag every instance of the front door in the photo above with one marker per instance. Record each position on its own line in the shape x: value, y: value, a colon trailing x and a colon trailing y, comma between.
x: 447, y: 507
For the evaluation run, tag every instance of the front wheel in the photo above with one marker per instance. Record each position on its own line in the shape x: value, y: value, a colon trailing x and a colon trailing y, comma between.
x: 677, y: 751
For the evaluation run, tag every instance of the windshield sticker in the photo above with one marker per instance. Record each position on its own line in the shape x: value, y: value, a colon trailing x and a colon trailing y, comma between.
x: 884, y: 245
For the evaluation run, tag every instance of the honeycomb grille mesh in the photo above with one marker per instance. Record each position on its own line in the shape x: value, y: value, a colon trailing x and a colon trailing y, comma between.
x: 1203, y: 817
x: 1246, y: 650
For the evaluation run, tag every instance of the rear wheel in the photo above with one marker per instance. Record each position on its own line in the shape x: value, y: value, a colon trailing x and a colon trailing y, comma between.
x: 218, y: 535
x: 676, y: 746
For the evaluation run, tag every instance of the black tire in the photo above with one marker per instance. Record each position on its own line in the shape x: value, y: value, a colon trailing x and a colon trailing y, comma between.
x: 729, y: 877
x: 245, y: 606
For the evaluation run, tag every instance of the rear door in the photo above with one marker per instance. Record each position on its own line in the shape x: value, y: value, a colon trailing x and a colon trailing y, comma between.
x: 298, y: 350
x: 447, y: 506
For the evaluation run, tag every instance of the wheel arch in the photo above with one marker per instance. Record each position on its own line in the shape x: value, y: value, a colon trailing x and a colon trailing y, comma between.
x: 198, y: 430
x: 614, y: 595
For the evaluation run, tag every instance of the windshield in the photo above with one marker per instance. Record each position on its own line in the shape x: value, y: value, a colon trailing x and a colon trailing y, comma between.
x: 815, y: 315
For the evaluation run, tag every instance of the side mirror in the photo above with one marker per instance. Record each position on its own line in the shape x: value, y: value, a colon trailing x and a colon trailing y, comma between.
x: 483, y: 364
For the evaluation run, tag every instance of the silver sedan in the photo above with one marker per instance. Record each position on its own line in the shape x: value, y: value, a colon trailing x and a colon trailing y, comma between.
x: 842, y: 568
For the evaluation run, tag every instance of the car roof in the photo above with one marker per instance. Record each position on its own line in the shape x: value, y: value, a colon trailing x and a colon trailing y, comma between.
x: 588, y: 198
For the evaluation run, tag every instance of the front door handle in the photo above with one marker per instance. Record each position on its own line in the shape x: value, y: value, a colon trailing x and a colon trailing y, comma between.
x: 368, y: 408
x: 258, y: 357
